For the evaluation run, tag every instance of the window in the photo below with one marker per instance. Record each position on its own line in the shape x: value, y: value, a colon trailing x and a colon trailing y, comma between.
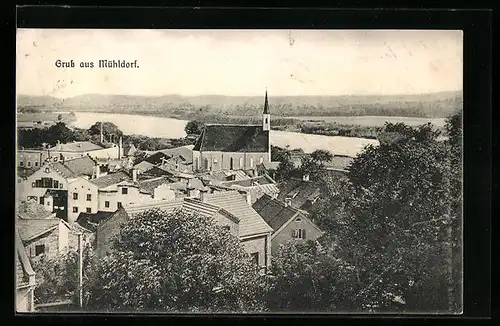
x: 241, y: 162
x: 299, y: 234
x: 47, y: 170
x: 60, y: 186
x: 56, y: 184
x: 106, y: 204
x: 75, y: 196
x: 227, y: 227
x: 206, y: 163
x: 47, y: 183
x: 36, y: 163
x: 255, y: 258
x: 21, y: 163
x: 29, y: 164
x: 251, y: 162
x: 39, y: 249
x: 75, y: 209
x: 89, y: 197
x: 124, y: 191
x: 42, y: 200
x: 119, y: 205
x: 33, y: 184
x: 88, y: 210
x: 48, y: 203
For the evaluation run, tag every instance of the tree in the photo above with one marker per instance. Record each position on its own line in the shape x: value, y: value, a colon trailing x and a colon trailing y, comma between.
x: 392, y: 222
x: 286, y: 166
x: 57, y: 278
x: 109, y: 130
x: 314, y: 164
x: 308, y: 277
x: 194, y: 127
x: 176, y: 262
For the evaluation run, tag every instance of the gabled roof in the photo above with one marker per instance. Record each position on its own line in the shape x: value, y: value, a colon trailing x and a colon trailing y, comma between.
x: 33, y: 228
x: 120, y: 213
x: 143, y: 166
x: 80, y: 146
x: 260, y: 180
x: 81, y: 166
x: 299, y: 191
x: 226, y: 175
x: 269, y: 165
x: 90, y: 221
x: 168, y: 206
x: 148, y: 186
x: 206, y: 209
x: 62, y: 170
x: 25, y: 172
x: 156, y: 158
x: 111, y: 179
x: 24, y: 270
x: 186, y: 152
x: 233, y: 138
x: 30, y: 209
x: 251, y: 223
x: 274, y: 212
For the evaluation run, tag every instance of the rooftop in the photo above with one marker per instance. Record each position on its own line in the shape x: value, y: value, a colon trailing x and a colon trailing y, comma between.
x: 233, y: 138
x: 30, y: 209
x: 299, y: 191
x: 90, y: 221
x: 111, y: 179
x: 274, y: 212
x: 80, y: 146
x: 24, y: 268
x: 81, y: 166
x: 251, y: 223
x: 32, y: 228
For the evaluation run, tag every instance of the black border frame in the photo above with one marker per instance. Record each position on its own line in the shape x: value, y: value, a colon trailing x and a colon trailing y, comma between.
x: 477, y: 27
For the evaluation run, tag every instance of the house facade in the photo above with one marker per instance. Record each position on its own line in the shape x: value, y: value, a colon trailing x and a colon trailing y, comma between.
x: 31, y: 158
x: 289, y: 224
x: 74, y: 150
x: 83, y: 196
x: 233, y: 147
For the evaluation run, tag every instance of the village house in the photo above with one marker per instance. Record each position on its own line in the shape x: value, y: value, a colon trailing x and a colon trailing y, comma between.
x: 47, y: 237
x: 288, y: 223
x: 82, y: 148
x: 31, y: 158
x: 256, y: 186
x: 25, y: 279
x: 229, y: 208
x: 300, y: 193
x: 233, y: 147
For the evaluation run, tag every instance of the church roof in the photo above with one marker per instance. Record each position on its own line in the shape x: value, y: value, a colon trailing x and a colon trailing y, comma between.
x: 233, y: 138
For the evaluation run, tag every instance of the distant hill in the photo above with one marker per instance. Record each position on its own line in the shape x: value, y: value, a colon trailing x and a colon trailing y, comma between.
x: 428, y: 105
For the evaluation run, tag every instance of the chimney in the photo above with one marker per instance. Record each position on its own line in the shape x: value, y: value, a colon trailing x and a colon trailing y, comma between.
x: 97, y: 170
x: 134, y: 175
x: 288, y: 201
x: 305, y: 177
x: 189, y: 188
x: 203, y: 194
x: 249, y: 198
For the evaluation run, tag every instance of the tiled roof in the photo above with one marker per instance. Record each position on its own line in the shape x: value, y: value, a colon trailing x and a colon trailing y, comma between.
x: 30, y: 228
x: 270, y: 165
x: 186, y: 152
x: 80, y: 146
x: 120, y: 213
x: 156, y: 158
x: 148, y: 186
x: 111, y: 179
x: 260, y: 180
x: 233, y: 138
x: 90, y: 221
x: 299, y: 191
x: 30, y: 209
x: 226, y: 175
x: 143, y: 166
x: 63, y: 170
x: 25, y: 172
x: 23, y: 266
x: 205, y: 209
x: 81, y: 166
x: 251, y: 223
x: 273, y: 211
x: 168, y: 206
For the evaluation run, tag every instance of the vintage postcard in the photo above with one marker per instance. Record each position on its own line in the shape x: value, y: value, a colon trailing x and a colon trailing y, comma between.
x: 239, y: 171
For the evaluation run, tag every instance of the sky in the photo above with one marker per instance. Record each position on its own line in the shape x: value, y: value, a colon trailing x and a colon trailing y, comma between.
x: 240, y: 62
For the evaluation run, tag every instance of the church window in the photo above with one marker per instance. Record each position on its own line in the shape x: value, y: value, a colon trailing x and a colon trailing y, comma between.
x: 241, y: 162
x: 231, y: 164
x: 206, y: 163
x: 251, y: 162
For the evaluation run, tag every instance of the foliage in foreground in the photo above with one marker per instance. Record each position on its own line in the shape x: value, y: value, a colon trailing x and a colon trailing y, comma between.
x: 176, y: 262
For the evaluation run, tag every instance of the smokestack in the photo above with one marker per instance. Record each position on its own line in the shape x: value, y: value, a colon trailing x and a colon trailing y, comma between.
x: 134, y: 175
x: 102, y: 139
x: 288, y: 202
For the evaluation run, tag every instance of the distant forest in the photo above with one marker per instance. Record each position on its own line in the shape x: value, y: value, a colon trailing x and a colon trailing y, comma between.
x: 435, y: 105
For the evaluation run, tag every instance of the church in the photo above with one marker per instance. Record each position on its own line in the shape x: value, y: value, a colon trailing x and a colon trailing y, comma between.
x: 234, y: 147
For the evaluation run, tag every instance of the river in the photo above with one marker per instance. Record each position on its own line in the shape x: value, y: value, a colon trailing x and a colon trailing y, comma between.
x: 174, y: 128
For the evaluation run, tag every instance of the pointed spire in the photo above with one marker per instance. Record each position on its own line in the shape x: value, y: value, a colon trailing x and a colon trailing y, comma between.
x: 266, y: 105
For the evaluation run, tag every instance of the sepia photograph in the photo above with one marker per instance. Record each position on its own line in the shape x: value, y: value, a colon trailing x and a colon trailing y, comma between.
x: 246, y: 171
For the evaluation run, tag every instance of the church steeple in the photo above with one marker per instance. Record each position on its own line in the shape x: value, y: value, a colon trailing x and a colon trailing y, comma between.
x: 266, y: 116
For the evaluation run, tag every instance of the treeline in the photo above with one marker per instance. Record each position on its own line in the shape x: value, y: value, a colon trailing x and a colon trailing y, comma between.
x: 35, y: 138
